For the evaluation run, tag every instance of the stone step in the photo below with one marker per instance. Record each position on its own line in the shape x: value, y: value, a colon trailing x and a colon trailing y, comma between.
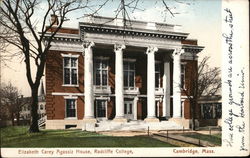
x: 136, y: 125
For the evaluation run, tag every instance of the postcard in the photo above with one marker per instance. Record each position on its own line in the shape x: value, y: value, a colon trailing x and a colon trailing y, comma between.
x: 125, y: 78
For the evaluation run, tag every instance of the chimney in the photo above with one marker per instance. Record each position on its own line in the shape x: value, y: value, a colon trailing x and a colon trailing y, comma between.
x: 54, y: 19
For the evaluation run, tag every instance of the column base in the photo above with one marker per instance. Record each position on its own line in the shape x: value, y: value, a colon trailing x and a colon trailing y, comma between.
x: 89, y: 120
x: 153, y: 119
x: 121, y: 120
x: 89, y: 124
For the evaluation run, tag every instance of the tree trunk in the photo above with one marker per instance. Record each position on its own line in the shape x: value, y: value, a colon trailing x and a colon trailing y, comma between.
x: 34, y: 115
x: 193, y: 113
x: 18, y: 118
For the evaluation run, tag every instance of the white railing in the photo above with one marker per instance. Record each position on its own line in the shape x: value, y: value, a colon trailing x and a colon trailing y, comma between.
x: 102, y: 89
x: 131, y: 90
x: 42, y: 121
x: 159, y: 91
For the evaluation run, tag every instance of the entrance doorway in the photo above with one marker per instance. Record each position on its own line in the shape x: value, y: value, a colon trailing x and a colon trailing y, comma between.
x: 128, y: 110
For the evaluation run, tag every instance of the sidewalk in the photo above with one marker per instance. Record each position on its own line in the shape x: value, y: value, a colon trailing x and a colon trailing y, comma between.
x: 171, y: 136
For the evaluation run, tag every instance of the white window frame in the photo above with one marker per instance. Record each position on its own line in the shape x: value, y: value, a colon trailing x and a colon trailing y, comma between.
x: 102, y: 69
x: 184, y: 75
x: 77, y: 80
x: 73, y: 98
x: 129, y: 60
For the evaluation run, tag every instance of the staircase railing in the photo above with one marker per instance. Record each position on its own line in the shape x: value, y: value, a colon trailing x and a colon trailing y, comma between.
x: 42, y: 121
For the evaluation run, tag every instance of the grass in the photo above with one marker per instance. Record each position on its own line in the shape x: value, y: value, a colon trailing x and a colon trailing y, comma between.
x: 215, y: 138
x: 20, y: 137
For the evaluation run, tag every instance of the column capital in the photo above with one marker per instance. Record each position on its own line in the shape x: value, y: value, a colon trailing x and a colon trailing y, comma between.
x: 151, y: 49
x: 88, y: 44
x: 178, y: 51
x: 119, y: 47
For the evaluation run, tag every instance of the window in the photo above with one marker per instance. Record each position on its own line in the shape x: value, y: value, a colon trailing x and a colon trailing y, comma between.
x: 41, y: 107
x: 101, y: 72
x: 70, y: 108
x: 157, y: 76
x: 100, y: 108
x: 218, y: 110
x: 211, y: 111
x: 70, y: 70
x: 129, y: 74
x: 183, y: 76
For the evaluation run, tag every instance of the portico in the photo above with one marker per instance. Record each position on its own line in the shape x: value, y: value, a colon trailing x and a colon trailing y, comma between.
x: 122, y: 74
x: 148, y: 43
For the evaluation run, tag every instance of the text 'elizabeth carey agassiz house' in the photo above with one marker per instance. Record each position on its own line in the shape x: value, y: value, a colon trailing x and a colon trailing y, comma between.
x: 106, y: 74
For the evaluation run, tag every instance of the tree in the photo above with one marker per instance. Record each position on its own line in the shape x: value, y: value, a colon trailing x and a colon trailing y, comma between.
x: 203, y: 81
x: 19, y: 28
x: 12, y: 101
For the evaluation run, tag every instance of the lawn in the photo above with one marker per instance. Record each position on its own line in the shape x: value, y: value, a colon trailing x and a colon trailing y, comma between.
x: 20, y: 137
x: 215, y: 138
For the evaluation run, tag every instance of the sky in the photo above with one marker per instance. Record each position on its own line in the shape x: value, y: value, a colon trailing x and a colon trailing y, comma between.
x: 200, y: 18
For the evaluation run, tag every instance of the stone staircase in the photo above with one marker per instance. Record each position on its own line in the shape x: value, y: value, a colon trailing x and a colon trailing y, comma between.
x: 135, y: 126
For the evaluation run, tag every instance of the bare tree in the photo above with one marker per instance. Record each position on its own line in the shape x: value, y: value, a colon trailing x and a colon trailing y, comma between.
x: 209, y: 81
x: 19, y: 28
x: 203, y: 80
x: 12, y: 101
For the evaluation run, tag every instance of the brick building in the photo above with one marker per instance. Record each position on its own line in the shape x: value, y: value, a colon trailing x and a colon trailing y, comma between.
x: 105, y: 72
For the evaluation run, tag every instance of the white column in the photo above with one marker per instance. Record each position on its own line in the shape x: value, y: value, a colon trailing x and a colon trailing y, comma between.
x: 135, y: 108
x: 177, y: 83
x: 88, y: 80
x: 119, y: 91
x: 151, y: 83
x: 166, y: 90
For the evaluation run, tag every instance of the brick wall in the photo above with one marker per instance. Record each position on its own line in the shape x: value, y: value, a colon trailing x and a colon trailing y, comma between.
x: 55, y: 105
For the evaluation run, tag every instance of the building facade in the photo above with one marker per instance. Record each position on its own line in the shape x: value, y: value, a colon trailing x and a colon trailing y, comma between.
x: 111, y: 70
x: 211, y: 110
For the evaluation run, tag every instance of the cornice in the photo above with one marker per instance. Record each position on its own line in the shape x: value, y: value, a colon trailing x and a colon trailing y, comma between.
x: 131, y: 32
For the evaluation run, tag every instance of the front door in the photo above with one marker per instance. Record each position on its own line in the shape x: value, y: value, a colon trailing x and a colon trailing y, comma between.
x: 128, y: 110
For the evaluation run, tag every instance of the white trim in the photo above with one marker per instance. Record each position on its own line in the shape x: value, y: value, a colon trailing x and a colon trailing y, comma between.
x: 102, y: 98
x: 67, y: 94
x: 70, y: 55
x: 70, y: 97
x: 182, y: 107
x: 184, y: 75
x: 69, y: 85
x: 65, y: 46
